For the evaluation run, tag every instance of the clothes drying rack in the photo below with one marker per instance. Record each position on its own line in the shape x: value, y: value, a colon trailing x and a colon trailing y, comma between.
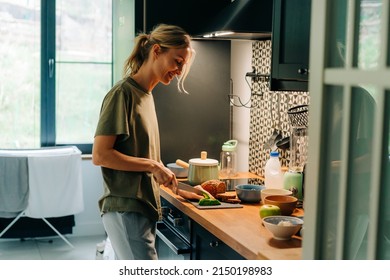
x: 22, y: 214
x: 47, y: 167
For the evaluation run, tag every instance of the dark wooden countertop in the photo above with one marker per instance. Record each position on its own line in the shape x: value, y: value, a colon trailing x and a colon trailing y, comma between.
x: 239, y: 228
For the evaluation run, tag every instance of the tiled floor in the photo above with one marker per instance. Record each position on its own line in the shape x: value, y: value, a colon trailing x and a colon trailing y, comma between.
x: 43, y: 249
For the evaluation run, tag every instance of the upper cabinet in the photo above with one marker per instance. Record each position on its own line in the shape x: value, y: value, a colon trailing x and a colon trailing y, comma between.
x: 205, y: 19
x: 193, y: 16
x: 290, y: 45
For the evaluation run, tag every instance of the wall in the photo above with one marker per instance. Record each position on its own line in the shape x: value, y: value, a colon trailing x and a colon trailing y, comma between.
x: 88, y: 222
x: 264, y: 112
x: 241, y: 63
x: 197, y: 121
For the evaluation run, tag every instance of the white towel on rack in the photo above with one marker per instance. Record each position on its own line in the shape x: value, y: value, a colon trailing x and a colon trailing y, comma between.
x: 55, y: 183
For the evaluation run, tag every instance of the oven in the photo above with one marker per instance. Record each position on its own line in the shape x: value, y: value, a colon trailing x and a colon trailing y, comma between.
x: 173, y: 234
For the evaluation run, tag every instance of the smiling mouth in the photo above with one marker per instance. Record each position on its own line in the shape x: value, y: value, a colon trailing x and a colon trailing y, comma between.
x: 171, y: 75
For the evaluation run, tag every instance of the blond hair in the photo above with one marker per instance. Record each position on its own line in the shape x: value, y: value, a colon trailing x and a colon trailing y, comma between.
x: 167, y: 37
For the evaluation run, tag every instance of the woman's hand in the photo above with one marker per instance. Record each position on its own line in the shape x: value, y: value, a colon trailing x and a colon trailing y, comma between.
x: 191, y: 195
x: 164, y: 176
x: 188, y: 195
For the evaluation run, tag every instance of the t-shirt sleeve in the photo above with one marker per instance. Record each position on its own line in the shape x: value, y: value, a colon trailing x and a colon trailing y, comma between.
x: 114, y: 114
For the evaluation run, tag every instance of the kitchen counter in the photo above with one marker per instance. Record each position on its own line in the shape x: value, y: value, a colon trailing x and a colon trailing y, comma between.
x: 240, y: 229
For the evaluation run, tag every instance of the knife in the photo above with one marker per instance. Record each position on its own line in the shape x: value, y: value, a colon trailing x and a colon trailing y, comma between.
x: 188, y: 188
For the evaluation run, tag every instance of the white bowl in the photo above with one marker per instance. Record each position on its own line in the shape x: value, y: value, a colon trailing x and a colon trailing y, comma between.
x: 267, y: 192
x: 180, y: 172
x: 282, y: 227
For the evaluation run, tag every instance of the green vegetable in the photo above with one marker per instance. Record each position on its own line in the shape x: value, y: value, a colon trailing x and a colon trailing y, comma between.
x: 206, y: 195
x: 208, y: 202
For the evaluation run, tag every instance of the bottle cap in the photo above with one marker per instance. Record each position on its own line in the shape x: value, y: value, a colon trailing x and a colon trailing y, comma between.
x: 274, y: 154
x: 229, y: 146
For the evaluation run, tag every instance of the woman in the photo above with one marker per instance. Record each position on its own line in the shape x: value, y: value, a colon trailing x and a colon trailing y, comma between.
x: 127, y: 143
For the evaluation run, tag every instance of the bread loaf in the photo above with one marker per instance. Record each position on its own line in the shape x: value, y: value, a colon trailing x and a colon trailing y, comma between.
x: 214, y: 187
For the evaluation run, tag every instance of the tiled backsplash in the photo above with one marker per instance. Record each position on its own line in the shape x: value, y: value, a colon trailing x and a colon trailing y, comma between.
x: 264, y: 105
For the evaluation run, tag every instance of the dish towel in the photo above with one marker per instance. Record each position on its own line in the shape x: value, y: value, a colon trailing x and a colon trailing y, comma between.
x: 14, y: 186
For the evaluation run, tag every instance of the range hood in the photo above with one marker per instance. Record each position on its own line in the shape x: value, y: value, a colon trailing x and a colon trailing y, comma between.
x: 241, y: 19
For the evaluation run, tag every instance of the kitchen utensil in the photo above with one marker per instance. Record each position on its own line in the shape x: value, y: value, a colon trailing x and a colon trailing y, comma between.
x: 189, y: 188
x: 223, y: 205
x: 284, y: 143
x: 200, y: 169
x: 179, y: 171
x: 299, y: 115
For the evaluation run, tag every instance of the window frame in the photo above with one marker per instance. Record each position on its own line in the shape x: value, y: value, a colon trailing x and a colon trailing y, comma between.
x: 48, y: 79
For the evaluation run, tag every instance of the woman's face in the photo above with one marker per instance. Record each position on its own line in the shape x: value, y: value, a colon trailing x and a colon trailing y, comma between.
x: 170, y: 63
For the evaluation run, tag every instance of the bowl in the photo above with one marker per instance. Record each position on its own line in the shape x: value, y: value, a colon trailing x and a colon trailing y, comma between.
x: 249, y: 193
x: 286, y: 203
x: 180, y: 172
x: 267, y: 192
x: 282, y: 227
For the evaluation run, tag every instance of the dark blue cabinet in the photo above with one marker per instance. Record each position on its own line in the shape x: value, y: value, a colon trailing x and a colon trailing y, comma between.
x: 290, y: 45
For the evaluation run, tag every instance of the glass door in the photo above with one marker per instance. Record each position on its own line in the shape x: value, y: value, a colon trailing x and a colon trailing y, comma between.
x: 348, y: 182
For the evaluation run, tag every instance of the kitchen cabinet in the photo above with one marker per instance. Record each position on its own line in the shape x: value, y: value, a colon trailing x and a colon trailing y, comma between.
x: 290, y: 45
x: 205, y: 246
x: 194, y: 16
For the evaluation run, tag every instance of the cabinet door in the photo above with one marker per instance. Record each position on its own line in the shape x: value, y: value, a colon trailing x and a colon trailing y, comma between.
x: 194, y: 16
x: 208, y: 247
x: 290, y: 44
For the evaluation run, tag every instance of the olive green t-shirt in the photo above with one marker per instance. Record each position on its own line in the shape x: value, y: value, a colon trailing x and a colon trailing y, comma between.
x: 128, y: 112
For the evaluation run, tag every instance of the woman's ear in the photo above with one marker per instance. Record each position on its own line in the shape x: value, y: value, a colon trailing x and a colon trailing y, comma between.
x: 156, y: 49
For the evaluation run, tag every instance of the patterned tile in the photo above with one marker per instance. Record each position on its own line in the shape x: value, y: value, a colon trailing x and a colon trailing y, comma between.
x: 265, y: 109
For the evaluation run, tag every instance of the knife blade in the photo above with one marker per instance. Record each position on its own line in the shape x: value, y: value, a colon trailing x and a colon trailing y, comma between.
x: 188, y: 188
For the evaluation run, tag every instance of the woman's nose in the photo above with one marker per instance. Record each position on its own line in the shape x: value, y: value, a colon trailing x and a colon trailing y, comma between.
x: 178, y: 71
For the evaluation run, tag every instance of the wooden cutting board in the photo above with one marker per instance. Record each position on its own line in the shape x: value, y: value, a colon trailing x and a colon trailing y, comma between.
x: 223, y: 205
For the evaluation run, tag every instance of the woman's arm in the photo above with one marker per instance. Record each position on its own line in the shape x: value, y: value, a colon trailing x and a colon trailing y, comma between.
x: 104, y: 154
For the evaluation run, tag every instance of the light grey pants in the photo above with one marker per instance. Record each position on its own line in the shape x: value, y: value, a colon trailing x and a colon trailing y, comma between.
x: 132, y: 235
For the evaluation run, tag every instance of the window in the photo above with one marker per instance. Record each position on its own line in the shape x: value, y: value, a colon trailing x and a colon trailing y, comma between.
x: 83, y: 67
x: 19, y: 74
x: 55, y: 69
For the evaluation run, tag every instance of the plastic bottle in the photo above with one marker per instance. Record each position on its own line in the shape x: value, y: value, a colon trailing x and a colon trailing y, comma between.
x: 229, y: 159
x: 273, y: 172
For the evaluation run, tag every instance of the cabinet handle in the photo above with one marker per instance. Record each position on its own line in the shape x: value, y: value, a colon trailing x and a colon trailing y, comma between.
x: 214, y: 244
x: 303, y: 71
